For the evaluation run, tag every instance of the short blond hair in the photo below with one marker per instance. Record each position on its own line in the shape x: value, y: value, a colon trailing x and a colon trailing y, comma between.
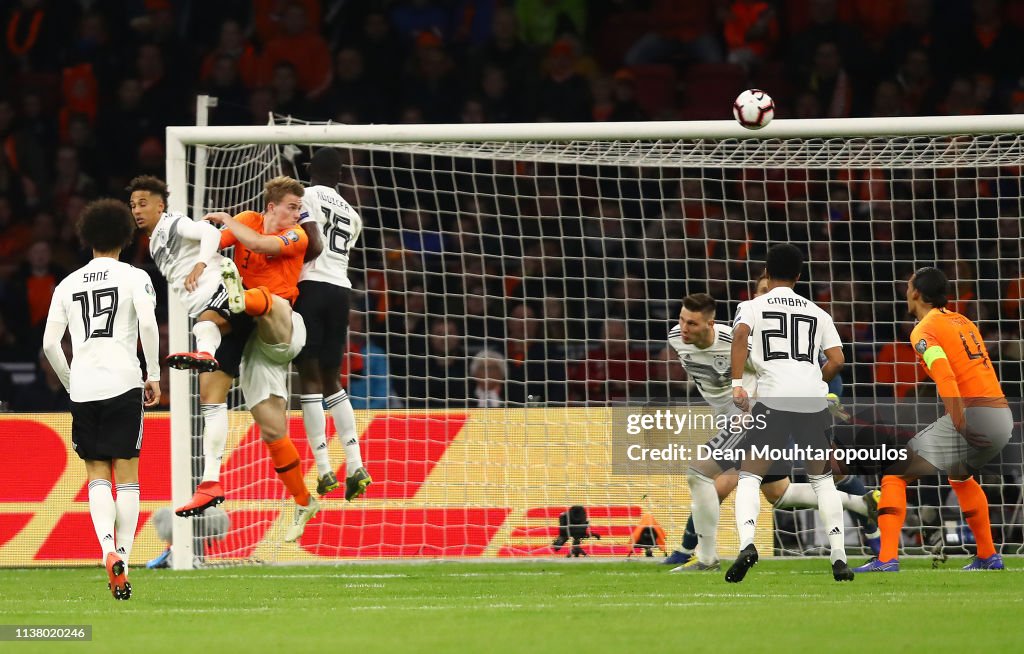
x: 276, y: 189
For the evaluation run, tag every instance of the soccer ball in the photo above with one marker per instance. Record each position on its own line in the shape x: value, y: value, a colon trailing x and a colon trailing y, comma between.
x: 753, y: 109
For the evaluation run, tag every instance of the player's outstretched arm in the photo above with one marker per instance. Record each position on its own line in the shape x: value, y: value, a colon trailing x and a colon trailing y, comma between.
x: 209, y: 242
x: 245, y: 235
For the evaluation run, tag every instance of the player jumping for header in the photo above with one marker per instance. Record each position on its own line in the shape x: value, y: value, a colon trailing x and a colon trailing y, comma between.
x: 324, y: 304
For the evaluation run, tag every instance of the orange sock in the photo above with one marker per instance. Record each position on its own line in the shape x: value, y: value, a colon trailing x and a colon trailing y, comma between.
x: 289, y: 469
x: 257, y: 301
x: 974, y: 506
x: 892, y: 512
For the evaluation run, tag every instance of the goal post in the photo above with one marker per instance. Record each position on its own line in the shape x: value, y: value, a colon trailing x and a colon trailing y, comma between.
x: 576, y: 230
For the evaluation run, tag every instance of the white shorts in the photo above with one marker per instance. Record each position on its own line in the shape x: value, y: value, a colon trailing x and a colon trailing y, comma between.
x: 941, y: 445
x: 264, y: 369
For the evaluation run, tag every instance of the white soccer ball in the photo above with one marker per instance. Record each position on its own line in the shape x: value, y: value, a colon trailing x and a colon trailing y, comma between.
x: 753, y: 109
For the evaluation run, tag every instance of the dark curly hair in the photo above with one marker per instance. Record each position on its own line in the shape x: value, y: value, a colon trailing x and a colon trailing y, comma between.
x: 106, y: 225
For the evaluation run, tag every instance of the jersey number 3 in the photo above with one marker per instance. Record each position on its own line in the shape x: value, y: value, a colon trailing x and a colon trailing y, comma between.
x: 337, y: 238
x: 103, y: 307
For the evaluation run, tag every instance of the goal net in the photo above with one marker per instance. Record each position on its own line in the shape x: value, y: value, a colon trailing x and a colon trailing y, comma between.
x: 515, y: 287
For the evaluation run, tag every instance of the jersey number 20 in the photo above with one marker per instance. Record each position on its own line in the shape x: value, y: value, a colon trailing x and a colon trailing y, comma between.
x: 789, y: 330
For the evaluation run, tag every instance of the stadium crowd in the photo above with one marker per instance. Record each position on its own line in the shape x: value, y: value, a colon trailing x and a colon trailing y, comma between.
x: 532, y: 289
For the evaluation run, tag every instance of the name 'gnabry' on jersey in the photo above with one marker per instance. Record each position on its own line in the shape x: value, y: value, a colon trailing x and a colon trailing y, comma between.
x: 99, y: 304
x: 177, y: 245
x: 710, y: 367
x: 340, y: 226
x: 786, y: 333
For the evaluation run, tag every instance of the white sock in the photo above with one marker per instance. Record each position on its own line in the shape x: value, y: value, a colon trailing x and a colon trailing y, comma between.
x: 207, y: 336
x: 704, y: 510
x: 748, y: 505
x: 830, y: 510
x: 801, y: 496
x: 215, y: 437
x: 103, y: 512
x: 345, y: 422
x: 315, y: 420
x: 127, y: 505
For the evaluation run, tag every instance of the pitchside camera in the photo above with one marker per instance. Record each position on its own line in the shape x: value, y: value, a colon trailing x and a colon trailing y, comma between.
x: 573, y: 525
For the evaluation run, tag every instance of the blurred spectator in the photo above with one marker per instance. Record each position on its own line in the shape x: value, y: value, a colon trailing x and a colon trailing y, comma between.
x: 293, y: 41
x: 33, y: 288
x: 986, y: 45
x: 411, y: 18
x: 11, y: 347
x: 437, y: 377
x: 919, y: 88
x: 69, y: 179
x: 352, y: 91
x: 536, y: 370
x: 541, y: 22
x: 499, y: 103
x: 897, y: 370
x: 487, y: 374
x: 431, y: 84
x: 383, y: 52
x: 916, y: 32
x: 33, y: 36
x: 46, y: 393
x: 681, y: 31
x: 563, y: 95
x: 751, y: 31
x: 613, y: 371
x: 364, y: 368
x: 829, y: 82
x: 288, y: 101
x: 270, y: 17
x: 825, y: 26
x: 15, y: 236
x: 234, y: 47
x: 123, y: 126
x: 507, y: 52
x: 232, y: 96
x: 161, y: 100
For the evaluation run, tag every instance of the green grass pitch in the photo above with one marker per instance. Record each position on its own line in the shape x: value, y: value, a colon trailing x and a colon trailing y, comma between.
x: 552, y: 606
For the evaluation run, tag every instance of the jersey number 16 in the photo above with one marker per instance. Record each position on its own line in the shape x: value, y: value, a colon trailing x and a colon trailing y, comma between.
x: 337, y: 237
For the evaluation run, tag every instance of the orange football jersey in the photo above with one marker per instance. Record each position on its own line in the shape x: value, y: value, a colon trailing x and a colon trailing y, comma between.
x: 959, y: 339
x: 278, y: 272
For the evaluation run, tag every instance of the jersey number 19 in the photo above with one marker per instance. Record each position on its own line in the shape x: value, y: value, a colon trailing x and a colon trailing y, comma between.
x: 103, y: 306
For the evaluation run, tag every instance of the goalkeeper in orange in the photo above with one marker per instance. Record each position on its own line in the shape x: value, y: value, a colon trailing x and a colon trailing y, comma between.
x: 977, y: 424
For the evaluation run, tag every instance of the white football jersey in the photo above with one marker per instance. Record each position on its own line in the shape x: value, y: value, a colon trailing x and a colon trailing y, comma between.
x: 100, y: 303
x: 340, y: 226
x: 786, y: 332
x: 710, y: 368
x: 175, y: 248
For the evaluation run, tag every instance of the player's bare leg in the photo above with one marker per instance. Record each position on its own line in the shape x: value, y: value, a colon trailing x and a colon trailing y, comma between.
x: 271, y: 416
